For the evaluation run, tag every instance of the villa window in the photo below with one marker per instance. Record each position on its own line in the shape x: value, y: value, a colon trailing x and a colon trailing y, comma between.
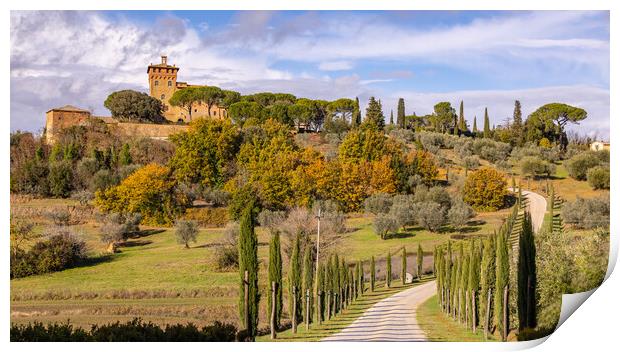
x: 169, y: 83
x: 156, y: 83
x: 163, y: 96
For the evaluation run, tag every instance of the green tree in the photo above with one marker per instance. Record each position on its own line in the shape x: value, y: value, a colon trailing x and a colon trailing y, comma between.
x: 295, y: 280
x: 517, y: 124
x: 60, y: 178
x: 462, y: 122
x: 549, y: 122
x: 248, y: 261
x: 124, y: 158
x: 475, y: 126
x: 420, y: 261
x: 473, y: 281
x: 464, y: 279
x: 242, y: 111
x: 357, y: 114
x: 391, y: 117
x: 361, y: 278
x: 129, y: 105
x: 372, y: 273
x: 444, y: 117
x: 308, y: 282
x: 403, y: 270
x: 185, y: 98
x: 204, y: 152
x: 186, y: 232
x: 400, y: 113
x: 374, y: 114
x: 502, y: 269
x: 487, y: 277
x: 388, y: 270
x: 275, y: 275
x: 487, y: 128
x: 526, y: 275
x: 210, y: 96
x: 357, y: 282
x: 322, y: 291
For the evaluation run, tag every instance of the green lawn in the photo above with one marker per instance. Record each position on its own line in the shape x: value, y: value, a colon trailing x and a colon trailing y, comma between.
x: 439, y: 327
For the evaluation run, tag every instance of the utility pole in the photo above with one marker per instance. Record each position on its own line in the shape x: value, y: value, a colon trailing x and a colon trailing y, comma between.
x: 318, y: 239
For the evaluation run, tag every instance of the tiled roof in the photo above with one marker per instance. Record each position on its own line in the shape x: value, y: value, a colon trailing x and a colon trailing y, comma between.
x: 69, y: 108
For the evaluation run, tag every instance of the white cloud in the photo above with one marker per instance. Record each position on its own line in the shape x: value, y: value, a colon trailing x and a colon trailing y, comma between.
x: 335, y: 66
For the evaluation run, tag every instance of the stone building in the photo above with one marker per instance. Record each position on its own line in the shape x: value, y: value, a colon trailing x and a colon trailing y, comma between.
x: 162, y: 85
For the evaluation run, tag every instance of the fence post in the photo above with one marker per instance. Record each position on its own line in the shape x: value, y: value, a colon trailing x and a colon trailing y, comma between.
x: 273, y: 310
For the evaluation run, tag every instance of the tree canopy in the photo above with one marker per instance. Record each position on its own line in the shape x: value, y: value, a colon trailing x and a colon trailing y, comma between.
x: 129, y: 105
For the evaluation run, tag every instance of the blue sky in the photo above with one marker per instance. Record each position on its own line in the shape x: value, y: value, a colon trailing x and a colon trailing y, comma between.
x: 486, y: 58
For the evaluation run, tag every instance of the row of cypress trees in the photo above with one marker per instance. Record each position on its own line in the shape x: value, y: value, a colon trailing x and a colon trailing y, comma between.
x: 473, y: 278
x: 338, y: 282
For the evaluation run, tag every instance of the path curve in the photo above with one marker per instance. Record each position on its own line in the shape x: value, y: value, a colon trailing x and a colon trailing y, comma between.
x: 537, y: 206
x: 391, y: 319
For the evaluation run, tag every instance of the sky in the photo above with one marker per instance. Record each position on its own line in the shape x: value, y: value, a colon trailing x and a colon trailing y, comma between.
x: 484, y: 58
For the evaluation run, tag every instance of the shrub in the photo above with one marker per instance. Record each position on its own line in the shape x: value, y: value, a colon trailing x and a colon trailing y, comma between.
x: 59, y: 216
x: 534, y: 167
x: 586, y: 213
x: 403, y: 210
x: 117, y: 227
x: 578, y: 165
x: 60, y: 251
x: 384, y: 224
x: 103, y: 179
x: 217, y: 197
x: 471, y: 162
x: 378, y: 203
x: 133, y: 331
x: 485, y: 189
x: 186, y: 232
x: 430, y: 215
x: 227, y: 254
x: 149, y: 191
x: 460, y: 213
x: 598, y: 177
x: 207, y: 216
x: 83, y: 197
x: 60, y: 178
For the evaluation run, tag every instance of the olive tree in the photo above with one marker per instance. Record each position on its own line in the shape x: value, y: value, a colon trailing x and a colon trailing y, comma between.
x: 186, y: 232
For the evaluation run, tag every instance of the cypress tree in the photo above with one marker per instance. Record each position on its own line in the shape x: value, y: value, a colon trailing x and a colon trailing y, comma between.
x: 336, y: 282
x: 487, y: 129
x: 357, y: 279
x: 321, y: 294
x: 374, y: 113
x: 391, y: 117
x: 308, y: 282
x: 463, y: 285
x: 501, y: 280
x: 372, y: 273
x: 351, y: 284
x: 448, y: 275
x: 357, y: 113
x: 388, y: 270
x: 462, y: 124
x: 294, y: 280
x: 420, y: 260
x: 361, y: 277
x: 517, y: 123
x: 124, y: 157
x: 403, y: 270
x: 438, y: 264
x: 275, y: 274
x: 475, y: 126
x: 248, y: 260
x: 455, y: 270
x: 487, y: 277
x: 473, y: 282
x: 343, y: 283
x: 400, y: 113
x: 526, y: 302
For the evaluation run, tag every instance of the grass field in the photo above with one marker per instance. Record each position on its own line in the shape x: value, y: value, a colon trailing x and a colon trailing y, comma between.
x: 439, y: 327
x: 156, y: 278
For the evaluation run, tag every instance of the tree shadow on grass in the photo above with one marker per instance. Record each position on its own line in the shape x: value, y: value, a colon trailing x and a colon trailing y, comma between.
x: 407, y: 234
x: 136, y: 243
x: 96, y: 260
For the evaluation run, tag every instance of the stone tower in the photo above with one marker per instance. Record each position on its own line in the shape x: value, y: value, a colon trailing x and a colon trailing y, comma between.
x: 163, y: 83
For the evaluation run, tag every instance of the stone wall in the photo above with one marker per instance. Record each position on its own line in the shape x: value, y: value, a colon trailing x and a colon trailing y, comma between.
x: 146, y: 129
